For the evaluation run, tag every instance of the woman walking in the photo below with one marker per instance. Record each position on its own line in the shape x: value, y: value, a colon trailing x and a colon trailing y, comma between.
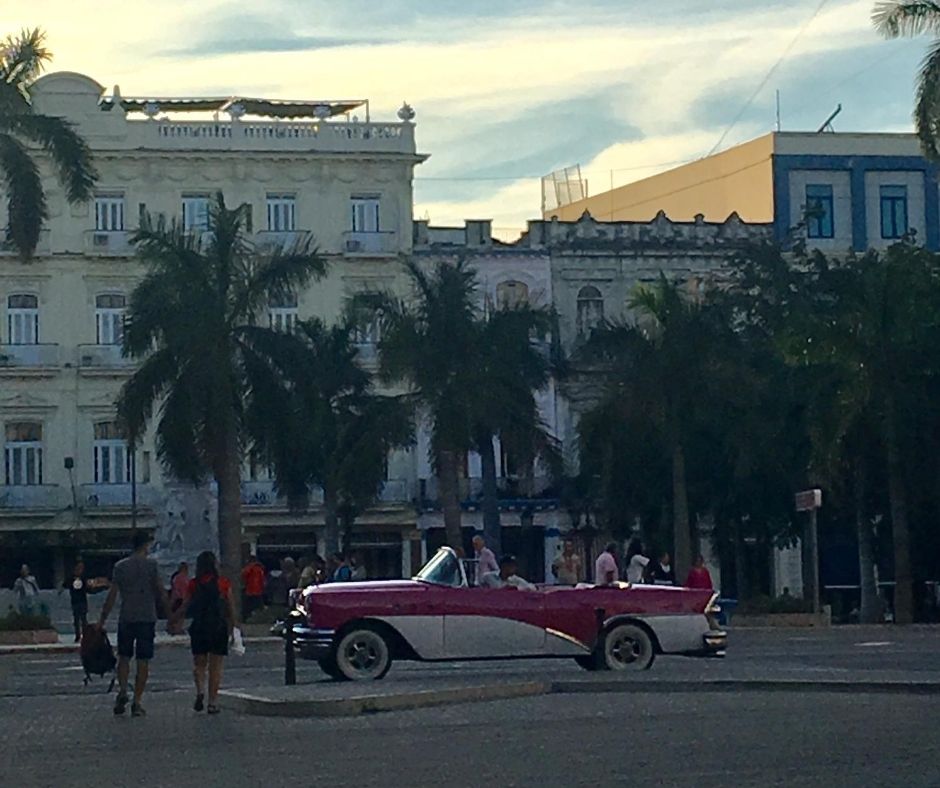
x: 209, y: 603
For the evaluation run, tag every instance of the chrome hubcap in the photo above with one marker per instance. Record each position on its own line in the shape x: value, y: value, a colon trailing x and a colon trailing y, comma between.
x: 625, y: 650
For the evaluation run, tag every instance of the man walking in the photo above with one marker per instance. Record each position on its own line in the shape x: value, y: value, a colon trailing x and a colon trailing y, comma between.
x: 605, y: 567
x: 486, y: 559
x: 137, y: 580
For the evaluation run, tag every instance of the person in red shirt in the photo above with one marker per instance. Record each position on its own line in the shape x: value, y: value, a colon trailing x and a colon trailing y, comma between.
x: 208, y: 602
x: 699, y: 576
x: 253, y: 577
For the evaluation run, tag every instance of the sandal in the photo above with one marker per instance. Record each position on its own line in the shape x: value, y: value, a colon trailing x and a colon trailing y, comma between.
x: 198, y: 705
x: 213, y: 709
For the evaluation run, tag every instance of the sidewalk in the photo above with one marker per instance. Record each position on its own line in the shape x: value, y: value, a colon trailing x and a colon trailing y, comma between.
x: 67, y: 644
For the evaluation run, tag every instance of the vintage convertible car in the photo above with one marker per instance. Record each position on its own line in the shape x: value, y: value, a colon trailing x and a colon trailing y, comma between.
x: 356, y: 630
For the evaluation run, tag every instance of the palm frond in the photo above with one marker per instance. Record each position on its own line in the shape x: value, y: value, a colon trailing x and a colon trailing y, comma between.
x: 284, y: 272
x: 23, y: 56
x: 69, y: 152
x: 26, y: 200
x: 927, y: 107
x: 896, y: 18
x: 140, y: 394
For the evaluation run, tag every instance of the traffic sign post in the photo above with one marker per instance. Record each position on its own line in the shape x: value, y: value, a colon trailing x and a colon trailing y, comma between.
x: 810, y: 501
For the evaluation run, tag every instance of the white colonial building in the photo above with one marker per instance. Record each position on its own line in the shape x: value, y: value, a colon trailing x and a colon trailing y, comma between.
x: 318, y: 167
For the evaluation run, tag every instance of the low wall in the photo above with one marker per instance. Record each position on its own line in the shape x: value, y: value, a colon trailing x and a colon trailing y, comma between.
x: 744, y: 620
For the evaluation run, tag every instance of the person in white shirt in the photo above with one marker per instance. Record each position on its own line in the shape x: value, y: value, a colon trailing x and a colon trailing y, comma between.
x: 605, y: 567
x: 636, y: 562
x: 506, y: 576
x: 486, y: 559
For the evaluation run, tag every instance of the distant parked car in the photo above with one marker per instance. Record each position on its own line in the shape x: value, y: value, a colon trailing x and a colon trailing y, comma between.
x: 356, y: 630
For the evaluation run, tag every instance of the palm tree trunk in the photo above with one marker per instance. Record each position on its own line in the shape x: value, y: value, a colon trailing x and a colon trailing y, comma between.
x: 903, y: 579
x: 491, y: 524
x: 228, y: 479
x: 682, y: 538
x: 331, y: 520
x: 450, y: 498
x: 869, y: 609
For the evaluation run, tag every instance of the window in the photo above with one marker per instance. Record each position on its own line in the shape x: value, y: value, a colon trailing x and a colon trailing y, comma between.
x: 893, y: 211
x: 23, y: 319
x: 819, y: 211
x: 511, y: 294
x: 282, y: 313
x: 109, y: 318
x: 590, y: 310
x: 365, y: 214
x: 109, y: 212
x: 507, y: 464
x: 112, y: 457
x: 195, y: 212
x: 368, y: 328
x: 22, y: 456
x: 281, y: 212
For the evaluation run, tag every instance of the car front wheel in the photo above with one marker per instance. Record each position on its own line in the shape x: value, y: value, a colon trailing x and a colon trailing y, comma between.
x: 363, y: 655
x: 628, y: 647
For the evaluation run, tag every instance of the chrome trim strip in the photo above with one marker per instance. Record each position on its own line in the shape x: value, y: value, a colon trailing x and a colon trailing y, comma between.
x: 569, y: 638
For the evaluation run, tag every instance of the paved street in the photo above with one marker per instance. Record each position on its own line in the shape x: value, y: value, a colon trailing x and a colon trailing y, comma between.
x: 59, y: 733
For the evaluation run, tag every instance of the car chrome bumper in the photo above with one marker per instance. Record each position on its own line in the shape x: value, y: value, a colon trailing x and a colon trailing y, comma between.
x: 714, y: 643
x: 310, y: 642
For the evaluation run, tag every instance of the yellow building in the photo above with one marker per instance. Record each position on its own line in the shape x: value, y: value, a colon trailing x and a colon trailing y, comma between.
x: 838, y: 191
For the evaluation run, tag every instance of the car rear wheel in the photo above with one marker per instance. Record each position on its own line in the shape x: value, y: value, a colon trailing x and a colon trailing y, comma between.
x: 628, y: 647
x: 363, y: 655
x: 328, y: 665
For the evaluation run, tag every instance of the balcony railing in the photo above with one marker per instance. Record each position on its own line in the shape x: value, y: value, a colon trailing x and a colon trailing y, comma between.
x: 272, y: 135
x: 395, y: 491
x: 29, y: 356
x: 93, y: 496
x: 374, y: 243
x: 261, y: 493
x: 108, y: 243
x: 279, y: 239
x: 103, y: 357
x: 38, y: 496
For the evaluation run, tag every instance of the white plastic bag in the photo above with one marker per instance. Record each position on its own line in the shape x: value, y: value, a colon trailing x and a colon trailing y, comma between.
x: 238, y: 643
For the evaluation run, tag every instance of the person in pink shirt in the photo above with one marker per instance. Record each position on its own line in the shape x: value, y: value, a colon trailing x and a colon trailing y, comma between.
x: 699, y: 576
x: 605, y: 567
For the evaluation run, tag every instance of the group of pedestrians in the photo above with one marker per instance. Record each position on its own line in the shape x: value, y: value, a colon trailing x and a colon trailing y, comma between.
x: 263, y: 587
x: 206, y: 599
x: 639, y: 568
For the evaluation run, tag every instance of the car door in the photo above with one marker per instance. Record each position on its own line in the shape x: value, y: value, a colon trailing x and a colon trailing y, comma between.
x: 493, y: 622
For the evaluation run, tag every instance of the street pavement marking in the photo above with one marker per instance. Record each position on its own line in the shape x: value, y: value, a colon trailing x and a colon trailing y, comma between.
x: 875, y: 644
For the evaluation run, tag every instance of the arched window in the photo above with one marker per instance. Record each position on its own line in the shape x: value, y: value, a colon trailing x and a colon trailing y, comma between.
x: 590, y: 310
x: 22, y: 455
x: 511, y: 294
x: 23, y: 319
x: 111, y: 456
x: 283, y: 313
x: 109, y: 318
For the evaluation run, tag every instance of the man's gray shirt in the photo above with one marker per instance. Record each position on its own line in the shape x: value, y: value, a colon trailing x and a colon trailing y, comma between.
x: 138, y: 581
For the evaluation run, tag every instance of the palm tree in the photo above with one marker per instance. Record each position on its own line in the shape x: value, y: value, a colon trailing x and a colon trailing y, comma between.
x: 22, y: 58
x: 192, y: 323
x: 429, y: 343
x: 896, y: 18
x: 335, y: 432
x: 660, y: 368
x: 510, y: 368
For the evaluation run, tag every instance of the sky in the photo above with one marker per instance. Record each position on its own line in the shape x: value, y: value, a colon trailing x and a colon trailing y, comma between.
x: 508, y: 90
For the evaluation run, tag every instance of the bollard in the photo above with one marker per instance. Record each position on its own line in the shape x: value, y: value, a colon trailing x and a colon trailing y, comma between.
x: 290, y: 658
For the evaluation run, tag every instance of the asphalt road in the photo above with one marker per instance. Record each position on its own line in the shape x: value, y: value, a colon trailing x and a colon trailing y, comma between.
x: 57, y: 733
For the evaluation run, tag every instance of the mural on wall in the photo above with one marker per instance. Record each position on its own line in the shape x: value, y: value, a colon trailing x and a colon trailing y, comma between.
x: 187, y: 524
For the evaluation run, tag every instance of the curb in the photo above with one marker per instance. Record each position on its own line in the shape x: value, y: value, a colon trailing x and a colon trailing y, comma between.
x: 254, y: 705
x: 370, y: 704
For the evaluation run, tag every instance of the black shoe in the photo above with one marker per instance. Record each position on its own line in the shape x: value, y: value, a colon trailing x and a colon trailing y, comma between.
x: 120, y: 704
x: 198, y: 705
x: 213, y: 709
x: 137, y: 710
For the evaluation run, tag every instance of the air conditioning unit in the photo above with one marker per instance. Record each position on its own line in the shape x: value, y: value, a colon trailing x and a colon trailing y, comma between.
x: 6, y: 361
x: 88, y: 361
x: 100, y: 240
x: 353, y: 245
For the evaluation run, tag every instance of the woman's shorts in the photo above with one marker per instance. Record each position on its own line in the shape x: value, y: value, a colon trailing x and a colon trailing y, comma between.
x: 208, y: 642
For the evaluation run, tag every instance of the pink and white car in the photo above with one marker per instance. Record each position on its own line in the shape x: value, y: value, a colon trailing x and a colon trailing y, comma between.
x: 356, y: 630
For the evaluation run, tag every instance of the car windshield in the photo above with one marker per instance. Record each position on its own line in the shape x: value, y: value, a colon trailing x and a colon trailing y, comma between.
x: 443, y: 570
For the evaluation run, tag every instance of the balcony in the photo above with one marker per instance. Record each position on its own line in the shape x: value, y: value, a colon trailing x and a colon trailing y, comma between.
x: 262, y: 493
x: 371, y: 244
x: 39, y: 497
x: 97, y: 358
x: 28, y: 359
x: 395, y: 491
x: 108, y: 243
x: 113, y: 496
x: 303, y: 136
x: 279, y: 240
x: 43, y: 245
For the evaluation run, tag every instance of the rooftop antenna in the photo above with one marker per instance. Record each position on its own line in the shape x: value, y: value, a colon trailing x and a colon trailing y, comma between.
x: 827, y: 124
